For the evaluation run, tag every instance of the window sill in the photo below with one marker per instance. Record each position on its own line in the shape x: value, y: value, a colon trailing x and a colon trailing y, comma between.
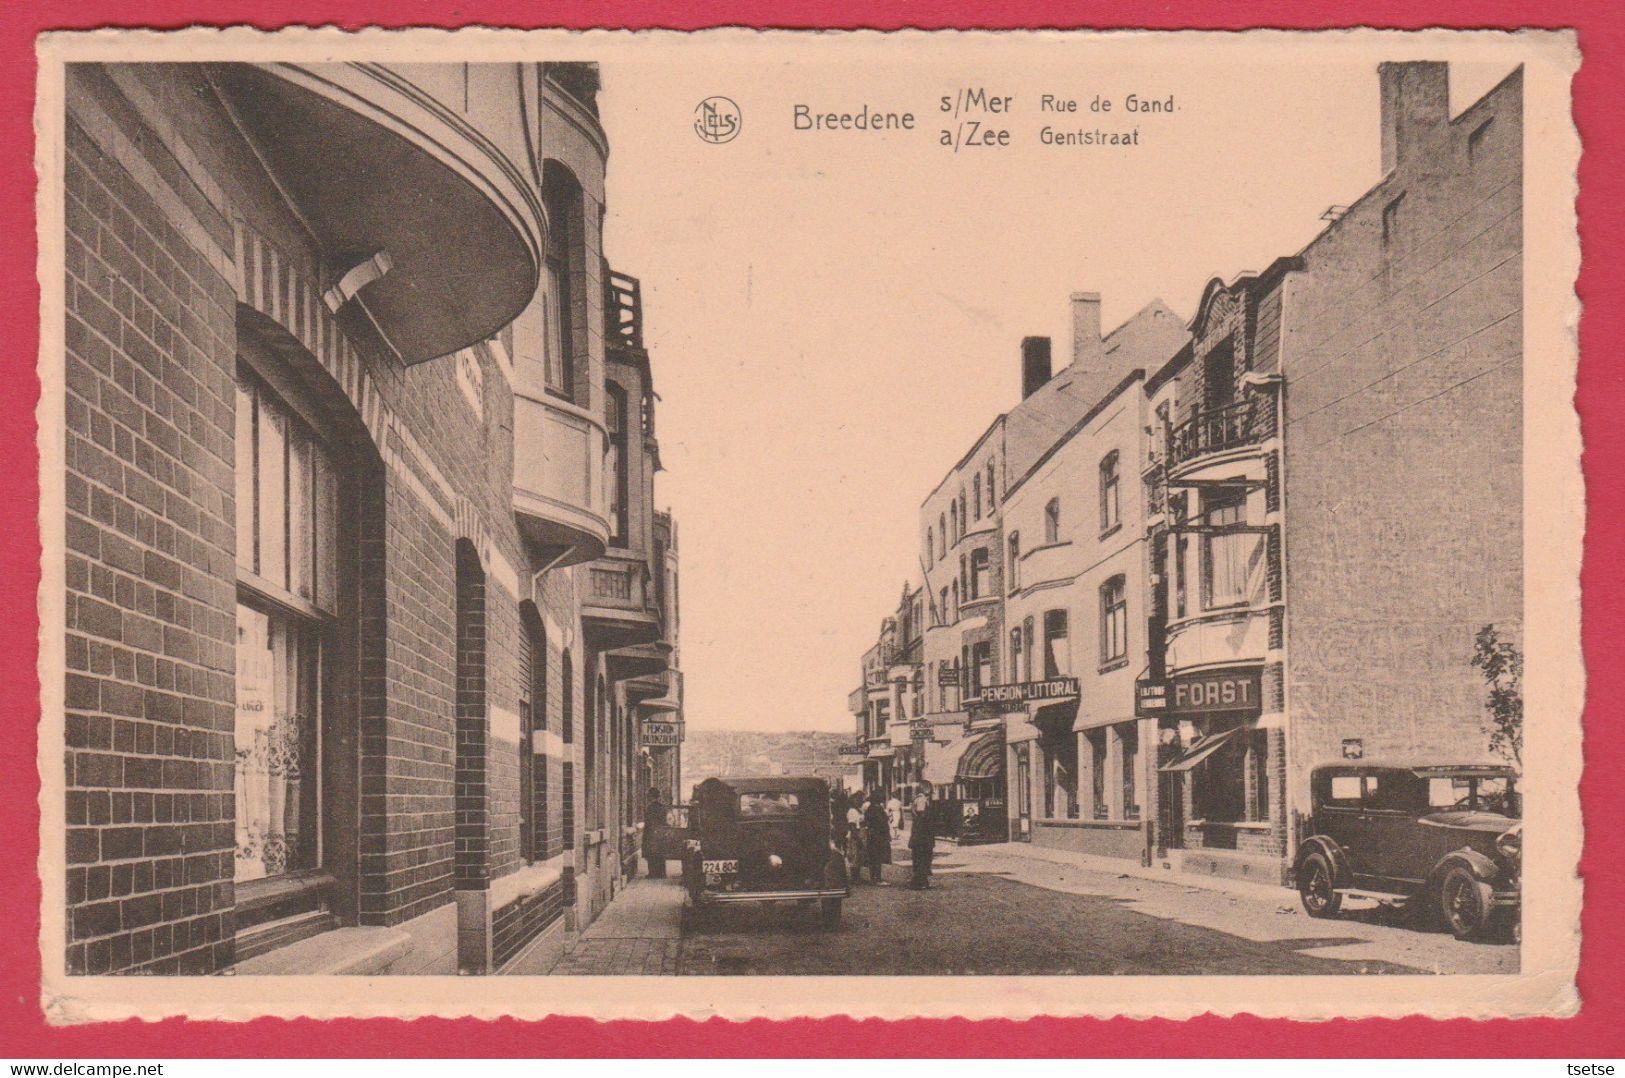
x: 1088, y: 825
x: 295, y: 888
x: 1111, y: 531
x: 1238, y: 825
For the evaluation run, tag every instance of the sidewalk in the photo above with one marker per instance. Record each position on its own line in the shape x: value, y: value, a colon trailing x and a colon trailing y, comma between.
x: 638, y: 933
x: 1122, y: 866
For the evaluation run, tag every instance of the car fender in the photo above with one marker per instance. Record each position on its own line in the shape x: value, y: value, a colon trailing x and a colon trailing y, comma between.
x: 1341, y: 871
x: 835, y: 868
x: 1475, y: 862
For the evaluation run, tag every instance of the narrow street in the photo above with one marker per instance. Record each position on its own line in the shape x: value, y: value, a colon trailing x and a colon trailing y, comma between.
x: 1008, y: 910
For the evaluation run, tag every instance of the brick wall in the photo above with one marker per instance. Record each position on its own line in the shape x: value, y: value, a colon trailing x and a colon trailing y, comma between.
x: 1402, y: 355
x: 150, y: 592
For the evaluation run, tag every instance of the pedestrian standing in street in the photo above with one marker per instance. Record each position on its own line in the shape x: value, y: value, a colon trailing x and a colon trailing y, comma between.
x: 922, y: 838
x: 894, y: 814
x: 654, y: 827
x: 877, y: 837
x: 854, y: 840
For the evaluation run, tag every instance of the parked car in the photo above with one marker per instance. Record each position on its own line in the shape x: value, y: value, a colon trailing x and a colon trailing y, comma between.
x: 763, y: 840
x: 1445, y: 838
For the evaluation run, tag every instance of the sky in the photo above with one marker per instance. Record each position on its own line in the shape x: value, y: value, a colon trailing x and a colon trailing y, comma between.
x: 834, y: 317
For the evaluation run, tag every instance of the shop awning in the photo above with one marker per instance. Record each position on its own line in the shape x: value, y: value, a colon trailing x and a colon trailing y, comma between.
x: 980, y: 756
x: 1201, y: 750
x: 877, y: 752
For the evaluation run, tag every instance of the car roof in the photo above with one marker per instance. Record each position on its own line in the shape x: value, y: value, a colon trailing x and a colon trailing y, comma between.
x: 1417, y: 768
x: 771, y: 784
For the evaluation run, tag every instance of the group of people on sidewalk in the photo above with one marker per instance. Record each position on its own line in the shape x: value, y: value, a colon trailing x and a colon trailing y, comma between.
x: 871, y: 821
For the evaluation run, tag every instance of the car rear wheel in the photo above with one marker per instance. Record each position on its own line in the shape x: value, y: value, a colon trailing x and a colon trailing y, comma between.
x: 831, y: 913
x: 1464, y: 899
x: 1315, y: 887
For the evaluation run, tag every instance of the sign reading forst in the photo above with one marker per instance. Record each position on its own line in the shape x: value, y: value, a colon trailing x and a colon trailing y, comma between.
x: 662, y: 734
x: 1012, y: 696
x: 1196, y: 694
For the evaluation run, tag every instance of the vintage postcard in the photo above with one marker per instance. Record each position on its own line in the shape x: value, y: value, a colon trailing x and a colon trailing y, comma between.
x: 772, y: 524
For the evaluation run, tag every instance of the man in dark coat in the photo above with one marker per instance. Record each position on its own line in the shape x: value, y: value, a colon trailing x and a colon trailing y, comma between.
x: 654, y: 827
x: 876, y: 836
x: 922, y: 837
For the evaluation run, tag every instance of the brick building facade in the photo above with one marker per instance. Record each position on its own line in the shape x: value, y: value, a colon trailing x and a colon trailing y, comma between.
x: 335, y: 483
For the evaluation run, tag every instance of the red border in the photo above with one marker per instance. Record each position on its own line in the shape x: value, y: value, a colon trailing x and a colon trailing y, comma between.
x: 1599, y: 1031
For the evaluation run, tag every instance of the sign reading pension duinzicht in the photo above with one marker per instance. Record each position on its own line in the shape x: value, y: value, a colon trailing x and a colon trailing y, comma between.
x: 1015, y: 694
x: 658, y: 734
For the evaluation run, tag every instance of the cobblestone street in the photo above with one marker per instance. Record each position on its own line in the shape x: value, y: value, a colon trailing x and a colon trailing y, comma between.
x: 1053, y: 915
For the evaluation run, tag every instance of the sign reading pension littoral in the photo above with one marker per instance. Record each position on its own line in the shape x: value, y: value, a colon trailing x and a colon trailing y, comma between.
x: 658, y: 734
x: 1018, y: 693
x: 1224, y: 690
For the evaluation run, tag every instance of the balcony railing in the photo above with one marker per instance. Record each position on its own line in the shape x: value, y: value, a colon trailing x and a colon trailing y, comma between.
x: 622, y: 585
x: 1244, y: 423
x: 623, y: 310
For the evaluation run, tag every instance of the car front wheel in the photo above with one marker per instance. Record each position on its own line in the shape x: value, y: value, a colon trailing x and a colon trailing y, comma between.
x: 831, y: 912
x: 1315, y: 887
x: 1464, y: 899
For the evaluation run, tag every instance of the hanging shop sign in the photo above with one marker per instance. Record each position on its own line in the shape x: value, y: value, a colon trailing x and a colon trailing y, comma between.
x: 662, y: 734
x: 1010, y: 697
x: 852, y: 750
x: 1198, y: 694
x: 947, y: 675
x: 919, y: 729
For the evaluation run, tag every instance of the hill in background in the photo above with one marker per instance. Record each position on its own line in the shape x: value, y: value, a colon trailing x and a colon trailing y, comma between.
x: 743, y: 753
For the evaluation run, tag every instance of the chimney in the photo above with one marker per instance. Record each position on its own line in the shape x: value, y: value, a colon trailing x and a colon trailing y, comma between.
x: 1034, y: 364
x: 1415, y: 100
x: 1086, y: 354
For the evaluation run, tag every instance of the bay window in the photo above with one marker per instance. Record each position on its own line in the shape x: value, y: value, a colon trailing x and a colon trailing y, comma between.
x: 1232, y: 561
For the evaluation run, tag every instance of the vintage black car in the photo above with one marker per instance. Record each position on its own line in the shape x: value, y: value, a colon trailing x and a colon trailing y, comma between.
x: 762, y: 840
x: 1443, y: 839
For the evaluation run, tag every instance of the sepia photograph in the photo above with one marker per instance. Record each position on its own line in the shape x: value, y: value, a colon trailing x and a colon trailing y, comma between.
x: 1046, y: 522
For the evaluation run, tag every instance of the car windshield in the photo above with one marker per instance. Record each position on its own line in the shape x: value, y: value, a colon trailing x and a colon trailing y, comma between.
x: 1496, y: 793
x: 768, y: 804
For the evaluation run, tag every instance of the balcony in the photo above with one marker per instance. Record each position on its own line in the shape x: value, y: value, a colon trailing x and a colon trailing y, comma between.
x: 425, y: 165
x: 1242, y: 425
x: 660, y: 694
x: 619, y: 613
x: 857, y: 701
x: 558, y: 479
x: 623, y: 311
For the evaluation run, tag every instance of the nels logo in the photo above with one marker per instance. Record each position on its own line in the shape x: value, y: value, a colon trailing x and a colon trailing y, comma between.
x: 717, y: 120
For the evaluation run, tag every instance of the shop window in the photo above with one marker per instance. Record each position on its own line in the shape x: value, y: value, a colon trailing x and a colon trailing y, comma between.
x: 278, y: 742
x: 1221, y: 780
x: 1258, y: 755
x: 1128, y: 743
x: 616, y: 463
x: 1052, y: 521
x: 1097, y: 773
x: 1110, y: 500
x: 980, y: 574
x: 1057, y: 651
x: 1060, y: 748
x: 1114, y: 620
x: 976, y: 501
x: 1233, y: 561
x: 1014, y: 572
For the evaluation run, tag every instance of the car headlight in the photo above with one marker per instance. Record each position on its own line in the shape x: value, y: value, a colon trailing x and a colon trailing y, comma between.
x: 1510, y: 846
x: 692, y: 845
x: 775, y: 861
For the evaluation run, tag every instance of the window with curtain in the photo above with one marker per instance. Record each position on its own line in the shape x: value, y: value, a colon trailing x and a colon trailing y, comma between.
x: 981, y: 654
x: 992, y: 502
x: 1027, y: 648
x: 1110, y: 502
x: 1057, y: 653
x: 1015, y: 654
x: 976, y: 501
x: 1114, y: 620
x: 1233, y: 562
x: 1052, y: 521
x: 288, y: 498
x: 942, y: 607
x: 1014, y: 573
